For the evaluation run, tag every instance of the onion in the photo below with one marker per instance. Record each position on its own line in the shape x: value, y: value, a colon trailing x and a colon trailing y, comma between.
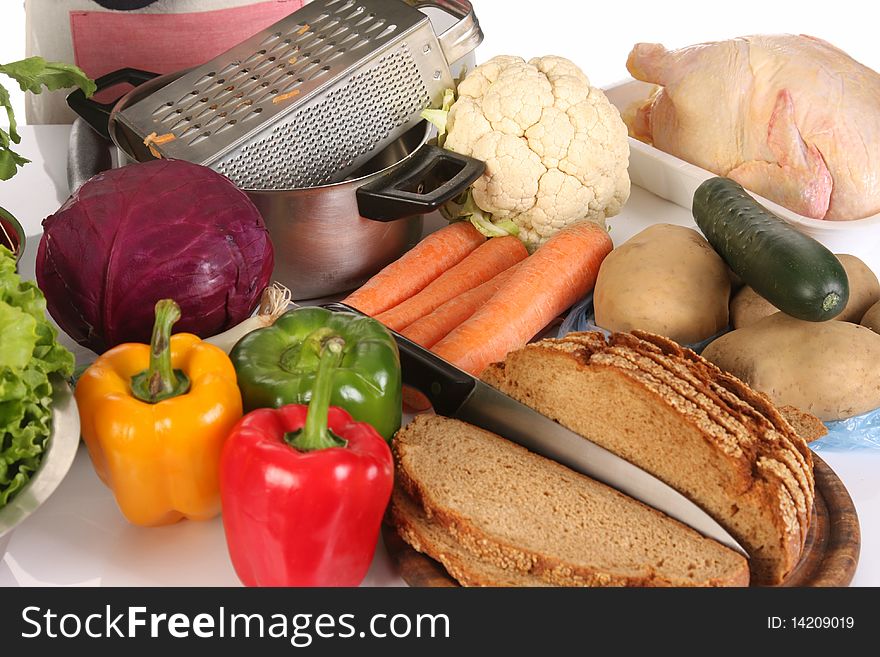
x: 273, y: 303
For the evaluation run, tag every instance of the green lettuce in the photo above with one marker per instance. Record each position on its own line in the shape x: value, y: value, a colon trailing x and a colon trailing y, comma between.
x: 33, y: 74
x: 29, y: 354
x: 18, y: 335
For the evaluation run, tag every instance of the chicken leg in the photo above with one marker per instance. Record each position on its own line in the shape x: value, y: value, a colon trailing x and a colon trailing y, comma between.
x: 798, y: 179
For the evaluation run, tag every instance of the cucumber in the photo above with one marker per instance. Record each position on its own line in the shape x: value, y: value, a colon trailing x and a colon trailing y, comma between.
x: 791, y: 270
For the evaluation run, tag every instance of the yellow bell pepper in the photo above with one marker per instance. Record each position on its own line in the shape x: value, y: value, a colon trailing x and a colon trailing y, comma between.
x: 155, y: 418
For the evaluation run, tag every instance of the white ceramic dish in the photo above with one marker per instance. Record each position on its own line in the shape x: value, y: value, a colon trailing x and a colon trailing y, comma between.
x: 676, y: 180
x: 57, y: 460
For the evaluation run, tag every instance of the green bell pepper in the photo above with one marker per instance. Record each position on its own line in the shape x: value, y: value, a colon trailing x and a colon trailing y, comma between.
x: 277, y: 365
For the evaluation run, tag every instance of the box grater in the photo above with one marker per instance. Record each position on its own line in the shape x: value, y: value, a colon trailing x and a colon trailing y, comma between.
x: 310, y: 99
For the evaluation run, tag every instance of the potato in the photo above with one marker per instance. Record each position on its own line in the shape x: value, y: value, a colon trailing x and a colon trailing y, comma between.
x: 864, y: 289
x: 872, y: 318
x: 666, y: 280
x: 828, y: 369
x: 747, y: 306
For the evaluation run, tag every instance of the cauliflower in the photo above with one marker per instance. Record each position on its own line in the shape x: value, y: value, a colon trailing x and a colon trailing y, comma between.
x: 555, y: 149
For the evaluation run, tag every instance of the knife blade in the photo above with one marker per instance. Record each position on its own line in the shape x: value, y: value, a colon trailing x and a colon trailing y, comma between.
x: 455, y: 393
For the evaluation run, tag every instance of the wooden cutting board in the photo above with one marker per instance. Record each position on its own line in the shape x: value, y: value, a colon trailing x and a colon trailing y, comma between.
x: 831, y: 551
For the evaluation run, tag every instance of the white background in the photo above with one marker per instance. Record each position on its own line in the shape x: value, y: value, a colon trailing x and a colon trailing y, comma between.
x: 598, y: 35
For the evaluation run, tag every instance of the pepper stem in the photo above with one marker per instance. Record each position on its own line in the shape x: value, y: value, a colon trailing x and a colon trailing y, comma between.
x: 316, y: 434
x: 302, y: 357
x: 160, y: 381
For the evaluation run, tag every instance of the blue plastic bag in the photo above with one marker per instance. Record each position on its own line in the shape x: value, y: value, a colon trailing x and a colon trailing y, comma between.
x: 859, y: 432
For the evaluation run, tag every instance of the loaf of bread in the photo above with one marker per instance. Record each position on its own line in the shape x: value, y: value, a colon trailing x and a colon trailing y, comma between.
x: 495, y: 514
x: 669, y: 411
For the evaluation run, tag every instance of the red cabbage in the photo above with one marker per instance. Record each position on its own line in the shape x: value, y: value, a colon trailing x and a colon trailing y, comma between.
x: 162, y: 229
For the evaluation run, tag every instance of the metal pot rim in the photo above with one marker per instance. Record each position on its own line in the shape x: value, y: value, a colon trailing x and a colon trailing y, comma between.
x: 430, y: 131
x: 162, y: 80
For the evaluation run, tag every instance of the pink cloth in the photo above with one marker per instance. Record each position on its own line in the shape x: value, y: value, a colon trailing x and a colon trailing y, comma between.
x: 104, y: 41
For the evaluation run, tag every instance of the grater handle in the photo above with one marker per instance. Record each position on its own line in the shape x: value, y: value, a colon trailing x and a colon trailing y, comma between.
x: 463, y: 37
x: 97, y: 114
x: 422, y: 183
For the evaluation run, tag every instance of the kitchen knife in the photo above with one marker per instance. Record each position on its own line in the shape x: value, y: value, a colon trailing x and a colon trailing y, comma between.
x: 455, y: 393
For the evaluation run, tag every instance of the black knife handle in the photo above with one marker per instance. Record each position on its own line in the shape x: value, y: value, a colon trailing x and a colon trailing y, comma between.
x: 446, y: 386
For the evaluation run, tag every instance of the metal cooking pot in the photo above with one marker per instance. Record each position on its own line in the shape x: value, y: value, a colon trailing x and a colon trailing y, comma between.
x: 328, y: 238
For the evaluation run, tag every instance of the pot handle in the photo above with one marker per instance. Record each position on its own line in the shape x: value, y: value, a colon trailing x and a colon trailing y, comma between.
x: 425, y: 181
x: 97, y: 114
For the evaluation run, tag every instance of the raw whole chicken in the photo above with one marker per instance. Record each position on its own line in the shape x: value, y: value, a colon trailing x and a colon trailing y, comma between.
x: 789, y: 117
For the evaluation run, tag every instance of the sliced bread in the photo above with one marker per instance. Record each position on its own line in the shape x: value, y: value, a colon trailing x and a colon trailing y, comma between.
x: 674, y: 414
x: 432, y: 539
x: 521, y: 513
x: 806, y: 425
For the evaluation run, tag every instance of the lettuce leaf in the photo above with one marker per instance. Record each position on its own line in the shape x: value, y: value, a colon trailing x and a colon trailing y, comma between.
x: 9, y: 159
x: 18, y: 335
x: 29, y: 355
x: 33, y: 74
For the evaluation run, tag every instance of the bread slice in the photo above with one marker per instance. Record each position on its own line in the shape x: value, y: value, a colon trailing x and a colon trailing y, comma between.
x: 520, y: 512
x: 432, y: 539
x: 674, y: 414
x: 807, y: 426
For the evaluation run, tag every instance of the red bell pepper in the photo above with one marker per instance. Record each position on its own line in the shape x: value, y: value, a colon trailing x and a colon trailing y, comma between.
x: 304, y: 489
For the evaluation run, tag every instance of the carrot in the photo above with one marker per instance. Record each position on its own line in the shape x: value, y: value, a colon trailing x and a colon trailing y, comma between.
x: 416, y: 268
x: 559, y: 273
x: 414, y: 400
x: 436, y: 325
x: 483, y: 263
